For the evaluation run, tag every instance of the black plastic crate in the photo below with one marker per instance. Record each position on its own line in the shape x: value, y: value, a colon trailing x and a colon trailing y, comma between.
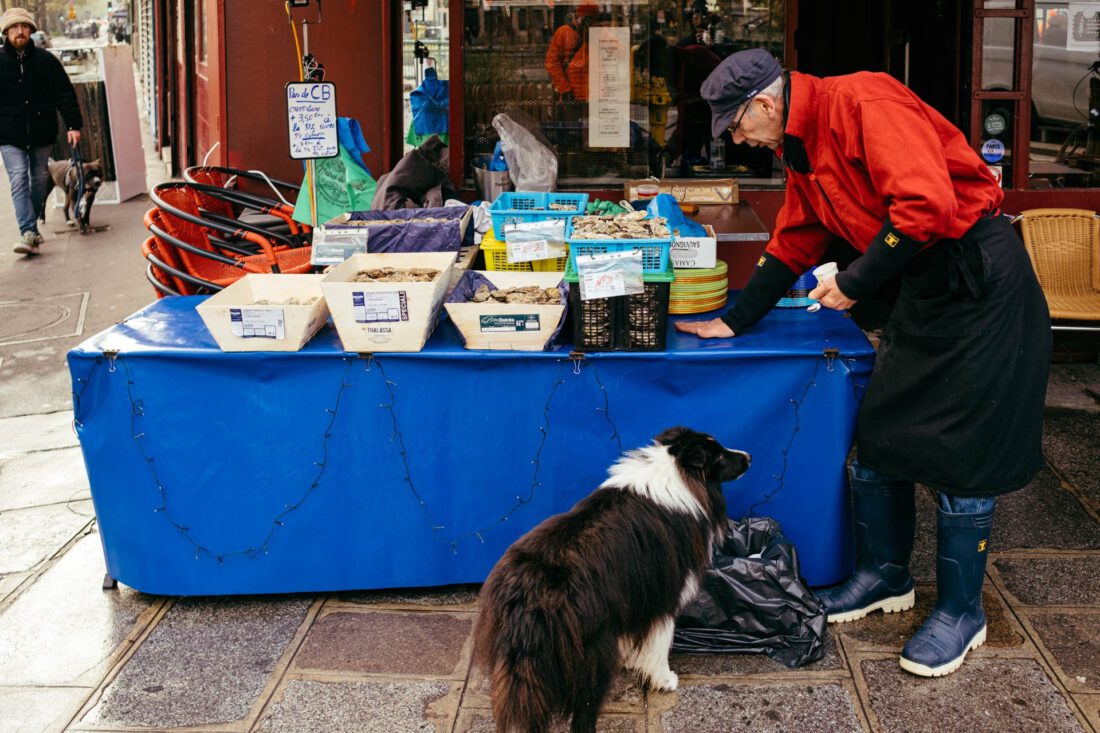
x: 624, y: 323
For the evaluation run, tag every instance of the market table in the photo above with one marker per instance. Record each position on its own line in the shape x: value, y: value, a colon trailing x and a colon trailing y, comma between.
x: 322, y: 470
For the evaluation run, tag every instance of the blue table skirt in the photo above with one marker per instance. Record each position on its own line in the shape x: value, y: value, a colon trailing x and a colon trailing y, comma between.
x: 218, y: 473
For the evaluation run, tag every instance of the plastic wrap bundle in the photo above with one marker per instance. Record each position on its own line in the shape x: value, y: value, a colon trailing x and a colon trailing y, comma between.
x: 753, y: 600
x: 531, y: 165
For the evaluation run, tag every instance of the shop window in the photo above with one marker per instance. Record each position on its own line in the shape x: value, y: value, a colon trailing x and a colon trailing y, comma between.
x: 612, y: 86
x: 425, y: 69
x: 1065, y: 94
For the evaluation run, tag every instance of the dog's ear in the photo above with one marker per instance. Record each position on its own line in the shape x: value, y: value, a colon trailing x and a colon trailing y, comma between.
x: 694, y: 455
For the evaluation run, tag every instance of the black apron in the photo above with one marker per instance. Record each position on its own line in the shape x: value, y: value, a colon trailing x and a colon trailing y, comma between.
x: 956, y: 398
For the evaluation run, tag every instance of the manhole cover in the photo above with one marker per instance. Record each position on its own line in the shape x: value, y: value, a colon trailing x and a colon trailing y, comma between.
x: 57, y: 316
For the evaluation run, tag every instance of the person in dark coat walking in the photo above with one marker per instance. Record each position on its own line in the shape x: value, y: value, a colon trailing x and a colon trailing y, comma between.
x: 955, y: 401
x: 33, y: 88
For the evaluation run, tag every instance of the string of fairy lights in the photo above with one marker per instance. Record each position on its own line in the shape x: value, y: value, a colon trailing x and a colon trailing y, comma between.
x: 372, y: 365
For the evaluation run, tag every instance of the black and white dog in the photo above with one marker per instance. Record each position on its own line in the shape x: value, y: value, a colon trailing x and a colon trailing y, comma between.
x: 599, y: 587
x: 65, y: 176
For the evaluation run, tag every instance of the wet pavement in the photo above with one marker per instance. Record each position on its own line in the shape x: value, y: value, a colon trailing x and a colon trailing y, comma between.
x: 76, y: 657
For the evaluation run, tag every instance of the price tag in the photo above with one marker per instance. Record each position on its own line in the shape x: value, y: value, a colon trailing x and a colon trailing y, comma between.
x: 333, y: 246
x: 263, y: 323
x: 311, y: 119
x: 603, y: 285
x: 535, y: 249
x: 509, y: 323
x: 386, y: 307
x: 610, y: 274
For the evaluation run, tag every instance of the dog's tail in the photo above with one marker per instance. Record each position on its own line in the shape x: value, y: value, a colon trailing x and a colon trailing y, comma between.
x: 528, y: 650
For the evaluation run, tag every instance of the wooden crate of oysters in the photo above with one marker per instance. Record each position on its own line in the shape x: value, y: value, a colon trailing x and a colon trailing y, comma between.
x: 266, y: 313
x: 518, y: 311
x: 387, y: 302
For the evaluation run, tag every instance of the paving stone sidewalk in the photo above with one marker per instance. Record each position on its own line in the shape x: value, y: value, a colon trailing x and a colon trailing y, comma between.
x: 78, y: 658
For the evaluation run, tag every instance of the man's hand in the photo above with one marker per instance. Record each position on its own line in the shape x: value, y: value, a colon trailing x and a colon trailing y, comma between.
x: 830, y: 296
x: 74, y: 137
x: 715, y: 329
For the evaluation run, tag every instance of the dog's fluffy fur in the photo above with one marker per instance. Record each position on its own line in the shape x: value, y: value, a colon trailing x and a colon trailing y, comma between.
x: 64, y: 176
x: 600, y: 586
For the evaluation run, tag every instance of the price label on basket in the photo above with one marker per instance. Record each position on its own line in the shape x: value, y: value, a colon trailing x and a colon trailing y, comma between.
x: 263, y: 323
x: 610, y: 275
x: 526, y: 251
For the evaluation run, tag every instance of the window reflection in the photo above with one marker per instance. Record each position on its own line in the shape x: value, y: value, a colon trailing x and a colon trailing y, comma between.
x: 531, y: 59
x: 1065, y: 86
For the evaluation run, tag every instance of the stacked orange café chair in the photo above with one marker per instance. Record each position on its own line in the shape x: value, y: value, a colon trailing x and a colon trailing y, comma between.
x: 246, y: 196
x: 201, y: 252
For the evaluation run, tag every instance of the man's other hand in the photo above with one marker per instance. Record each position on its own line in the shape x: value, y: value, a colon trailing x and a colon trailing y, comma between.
x: 715, y: 329
x: 74, y: 137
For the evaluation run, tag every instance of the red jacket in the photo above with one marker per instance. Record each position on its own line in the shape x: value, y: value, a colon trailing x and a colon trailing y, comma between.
x: 877, y: 153
x: 567, y: 62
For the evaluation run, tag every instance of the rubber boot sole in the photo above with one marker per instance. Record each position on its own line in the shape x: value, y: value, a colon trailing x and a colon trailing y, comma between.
x: 948, y: 667
x: 893, y: 604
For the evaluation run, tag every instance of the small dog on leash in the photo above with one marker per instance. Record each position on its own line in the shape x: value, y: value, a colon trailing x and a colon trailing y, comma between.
x: 600, y: 586
x: 65, y: 176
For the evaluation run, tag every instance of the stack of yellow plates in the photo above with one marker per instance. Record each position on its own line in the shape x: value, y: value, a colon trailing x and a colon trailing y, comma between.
x: 698, y: 291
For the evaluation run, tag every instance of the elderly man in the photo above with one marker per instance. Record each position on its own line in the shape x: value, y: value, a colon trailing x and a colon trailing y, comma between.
x: 956, y: 398
x: 33, y: 87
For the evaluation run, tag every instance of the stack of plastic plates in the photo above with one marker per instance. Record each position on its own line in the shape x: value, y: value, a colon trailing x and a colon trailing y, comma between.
x: 698, y: 291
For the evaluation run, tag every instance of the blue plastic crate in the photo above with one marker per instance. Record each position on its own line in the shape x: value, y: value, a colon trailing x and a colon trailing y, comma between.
x: 655, y: 252
x: 512, y: 207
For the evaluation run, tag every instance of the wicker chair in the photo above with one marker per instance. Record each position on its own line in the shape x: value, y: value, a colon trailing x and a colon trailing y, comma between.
x: 1064, y: 246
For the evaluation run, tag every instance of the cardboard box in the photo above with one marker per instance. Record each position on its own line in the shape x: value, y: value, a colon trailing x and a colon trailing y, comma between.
x: 509, y: 326
x: 690, y: 190
x: 695, y: 252
x: 238, y: 323
x: 386, y: 316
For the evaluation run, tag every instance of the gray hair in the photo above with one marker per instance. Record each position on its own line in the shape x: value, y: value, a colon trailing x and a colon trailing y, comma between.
x: 775, y: 89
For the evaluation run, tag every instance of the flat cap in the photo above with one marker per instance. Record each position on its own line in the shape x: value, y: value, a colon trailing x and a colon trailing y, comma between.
x: 739, y: 78
x: 14, y: 16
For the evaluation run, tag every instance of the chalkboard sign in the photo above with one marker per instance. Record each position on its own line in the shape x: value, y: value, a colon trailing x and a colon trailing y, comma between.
x: 311, y: 113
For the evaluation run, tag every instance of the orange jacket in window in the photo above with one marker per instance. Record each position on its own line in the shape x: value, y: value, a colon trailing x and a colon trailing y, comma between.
x: 567, y: 62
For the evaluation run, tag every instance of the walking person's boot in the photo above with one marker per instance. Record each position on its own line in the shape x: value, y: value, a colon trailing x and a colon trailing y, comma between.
x: 957, y: 623
x: 883, y: 522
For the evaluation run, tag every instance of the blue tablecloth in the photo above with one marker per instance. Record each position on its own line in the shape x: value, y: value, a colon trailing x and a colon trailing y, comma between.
x: 219, y: 473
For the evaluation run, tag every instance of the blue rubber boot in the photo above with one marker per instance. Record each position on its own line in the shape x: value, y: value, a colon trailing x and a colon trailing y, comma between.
x: 957, y: 623
x: 883, y: 521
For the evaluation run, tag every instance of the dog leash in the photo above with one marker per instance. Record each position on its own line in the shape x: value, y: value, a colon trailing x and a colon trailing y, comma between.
x: 76, y: 162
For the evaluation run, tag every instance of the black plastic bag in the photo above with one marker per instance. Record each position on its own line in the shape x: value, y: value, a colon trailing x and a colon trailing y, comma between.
x: 753, y: 600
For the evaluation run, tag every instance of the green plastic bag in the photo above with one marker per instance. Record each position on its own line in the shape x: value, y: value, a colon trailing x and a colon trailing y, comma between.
x: 343, y: 183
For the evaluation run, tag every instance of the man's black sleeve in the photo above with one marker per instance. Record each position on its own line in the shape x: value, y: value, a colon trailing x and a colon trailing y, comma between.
x: 770, y: 281
x: 66, y: 96
x: 890, y: 251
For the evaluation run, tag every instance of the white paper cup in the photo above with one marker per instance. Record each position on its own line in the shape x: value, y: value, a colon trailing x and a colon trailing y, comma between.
x: 822, y: 272
x: 826, y: 271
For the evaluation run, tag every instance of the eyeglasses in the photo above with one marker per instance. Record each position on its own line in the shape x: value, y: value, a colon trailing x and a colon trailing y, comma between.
x: 739, y: 117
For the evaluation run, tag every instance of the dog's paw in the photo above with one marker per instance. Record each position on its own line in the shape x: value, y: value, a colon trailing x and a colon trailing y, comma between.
x: 668, y: 682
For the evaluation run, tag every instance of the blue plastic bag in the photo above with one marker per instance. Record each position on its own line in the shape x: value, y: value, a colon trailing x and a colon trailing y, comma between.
x: 666, y: 205
x: 429, y: 103
x: 498, y: 163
